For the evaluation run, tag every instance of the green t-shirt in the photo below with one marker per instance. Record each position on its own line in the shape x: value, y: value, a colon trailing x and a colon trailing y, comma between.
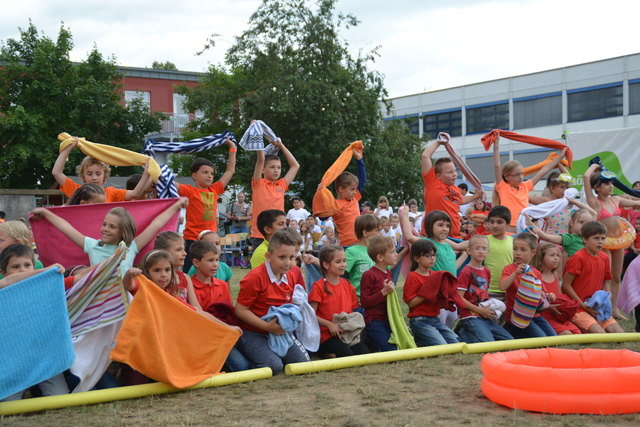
x: 445, y: 257
x: 358, y: 262
x: 224, y: 272
x: 571, y: 243
x: 500, y: 255
x: 258, y: 257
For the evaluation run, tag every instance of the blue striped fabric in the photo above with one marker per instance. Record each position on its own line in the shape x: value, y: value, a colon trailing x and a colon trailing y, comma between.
x: 252, y: 140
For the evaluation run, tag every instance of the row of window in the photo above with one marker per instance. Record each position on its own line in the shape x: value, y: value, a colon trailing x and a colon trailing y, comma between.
x: 178, y: 100
x: 536, y: 111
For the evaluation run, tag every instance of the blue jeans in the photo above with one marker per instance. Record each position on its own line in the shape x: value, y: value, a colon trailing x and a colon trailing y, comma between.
x: 538, y: 327
x: 429, y: 330
x: 378, y: 334
x: 256, y: 349
x: 479, y: 329
x: 236, y: 361
x: 239, y: 229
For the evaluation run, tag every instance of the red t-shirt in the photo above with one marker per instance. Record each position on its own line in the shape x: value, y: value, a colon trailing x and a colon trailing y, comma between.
x: 345, y: 220
x: 412, y: 285
x: 480, y: 279
x: 266, y: 195
x: 590, y: 271
x: 510, y: 293
x: 208, y: 294
x: 258, y: 292
x: 374, y: 303
x: 112, y: 194
x: 343, y: 299
x: 447, y: 198
x: 202, y: 212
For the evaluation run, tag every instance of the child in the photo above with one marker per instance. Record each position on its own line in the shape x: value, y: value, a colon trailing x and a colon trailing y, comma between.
x: 268, y: 188
x: 173, y: 243
x: 307, y: 240
x: 298, y: 213
x: 440, y: 191
x: 269, y: 222
x: 571, y: 242
x: 557, y: 183
x: 118, y: 226
x: 547, y: 260
x: 86, y: 194
x: 375, y: 285
x: 423, y: 315
x: 383, y: 209
x: 478, y: 214
x: 16, y: 232
x: 202, y: 211
x: 510, y: 188
x: 588, y: 271
x: 348, y: 188
x: 294, y: 225
x: 477, y: 323
x: 313, y: 227
x: 96, y: 172
x: 224, y: 272
x: 386, y: 229
x: 329, y: 237
x: 394, y: 221
x: 524, y: 248
x: 500, y: 248
x: 334, y: 295
x: 271, y: 284
x: 358, y: 260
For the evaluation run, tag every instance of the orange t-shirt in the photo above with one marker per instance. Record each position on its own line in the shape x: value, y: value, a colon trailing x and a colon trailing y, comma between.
x: 112, y: 194
x: 441, y: 197
x: 266, y: 195
x: 202, y: 212
x: 345, y: 220
x: 515, y: 199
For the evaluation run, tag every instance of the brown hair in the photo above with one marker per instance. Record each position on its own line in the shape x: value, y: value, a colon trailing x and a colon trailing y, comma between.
x: 592, y: 228
x: 366, y: 222
x: 127, y: 224
x: 529, y: 238
x: 85, y: 193
x: 378, y: 245
x: 438, y: 165
x: 153, y: 257
x: 285, y: 237
x: 538, y: 258
x: 90, y: 161
x: 433, y: 217
x: 345, y: 179
x: 165, y: 239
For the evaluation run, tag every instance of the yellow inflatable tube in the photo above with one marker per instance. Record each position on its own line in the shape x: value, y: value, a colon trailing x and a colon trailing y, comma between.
x: 371, y: 358
x: 122, y: 393
x: 487, y: 347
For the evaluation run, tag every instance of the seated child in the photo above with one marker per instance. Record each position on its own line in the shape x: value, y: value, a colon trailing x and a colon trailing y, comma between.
x: 269, y: 285
x: 477, y: 323
x: 375, y: 285
x: 524, y: 248
x: 224, y: 272
x: 329, y: 237
x: 87, y: 194
x: 586, y: 272
x: 333, y: 295
x: 386, y: 229
x: 394, y: 221
x: 423, y: 314
x: 269, y: 222
x: 358, y: 260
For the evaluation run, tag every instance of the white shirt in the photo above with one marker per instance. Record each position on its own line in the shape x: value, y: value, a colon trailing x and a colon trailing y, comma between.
x: 384, y: 212
x: 297, y: 214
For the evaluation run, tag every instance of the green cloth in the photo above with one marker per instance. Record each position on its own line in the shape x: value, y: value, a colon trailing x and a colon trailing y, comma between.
x: 258, y: 257
x: 445, y: 257
x: 500, y: 255
x: 358, y: 262
x: 224, y: 272
x: 571, y: 243
x: 400, y: 335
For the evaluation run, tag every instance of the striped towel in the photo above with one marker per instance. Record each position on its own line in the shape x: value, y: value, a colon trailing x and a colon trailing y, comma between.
x: 252, y: 140
x: 527, y: 299
x: 35, y: 337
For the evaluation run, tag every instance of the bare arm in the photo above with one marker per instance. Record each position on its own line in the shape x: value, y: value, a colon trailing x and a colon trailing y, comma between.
x: 58, y: 166
x: 584, y: 206
x: 567, y: 288
x: 508, y: 281
x: 257, y: 170
x: 549, y: 166
x: 62, y: 225
x: 556, y: 239
x: 17, y: 277
x: 497, y: 167
x: 627, y: 203
x: 407, y: 229
x: 470, y: 198
x: 588, y: 191
x: 141, y: 187
x: 231, y: 163
x: 425, y: 158
x: 158, y: 222
x: 294, y: 166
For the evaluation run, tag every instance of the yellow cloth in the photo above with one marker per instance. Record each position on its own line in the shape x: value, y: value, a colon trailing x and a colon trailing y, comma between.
x: 113, y: 156
x: 169, y: 342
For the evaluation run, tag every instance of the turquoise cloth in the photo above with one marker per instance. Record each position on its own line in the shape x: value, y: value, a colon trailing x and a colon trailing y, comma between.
x: 224, y: 272
x: 36, y: 336
x: 400, y: 335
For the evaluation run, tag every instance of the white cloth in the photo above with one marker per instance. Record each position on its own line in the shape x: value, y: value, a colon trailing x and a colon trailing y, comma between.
x: 298, y: 214
x: 308, y: 332
x: 252, y: 138
x: 545, y: 209
x: 494, y: 304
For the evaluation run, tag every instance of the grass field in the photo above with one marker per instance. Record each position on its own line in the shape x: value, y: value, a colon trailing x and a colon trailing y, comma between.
x: 442, y: 390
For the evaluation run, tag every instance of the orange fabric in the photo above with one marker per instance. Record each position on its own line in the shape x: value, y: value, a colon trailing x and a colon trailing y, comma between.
x: 324, y: 204
x: 266, y: 195
x: 530, y: 170
x: 112, y: 194
x: 515, y: 199
x: 441, y: 197
x: 491, y: 137
x: 202, y: 212
x: 166, y: 341
x: 345, y: 219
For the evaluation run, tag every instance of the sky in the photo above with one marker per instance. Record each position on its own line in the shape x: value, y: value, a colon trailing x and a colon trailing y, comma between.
x: 424, y: 45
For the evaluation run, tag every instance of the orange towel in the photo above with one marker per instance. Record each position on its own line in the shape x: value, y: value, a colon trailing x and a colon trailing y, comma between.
x: 493, y: 136
x: 167, y: 341
x: 324, y: 204
x: 530, y: 170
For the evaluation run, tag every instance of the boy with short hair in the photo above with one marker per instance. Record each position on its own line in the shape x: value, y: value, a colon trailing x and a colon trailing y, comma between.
x: 224, y: 272
x: 524, y: 248
x: 297, y: 213
x: 477, y: 322
x: 358, y: 260
x: 269, y: 222
x: 269, y: 285
x: 267, y: 186
x: 587, y: 272
x: 313, y: 227
x: 500, y: 247
x: 376, y: 284
x: 348, y: 188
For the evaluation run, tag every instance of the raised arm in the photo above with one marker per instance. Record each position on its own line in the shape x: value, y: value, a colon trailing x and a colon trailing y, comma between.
x: 556, y: 239
x: 407, y: 229
x: 158, y: 222
x: 588, y: 191
x: 142, y: 185
x: 362, y: 170
x: 61, y: 224
x: 425, y: 157
x: 58, y: 166
x: 549, y: 166
x: 231, y: 163
x: 294, y: 166
x: 584, y: 206
x: 17, y: 277
x: 497, y: 167
x: 257, y: 170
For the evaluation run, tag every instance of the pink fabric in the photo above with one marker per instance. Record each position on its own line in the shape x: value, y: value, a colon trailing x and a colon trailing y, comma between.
x: 629, y: 295
x: 53, y: 246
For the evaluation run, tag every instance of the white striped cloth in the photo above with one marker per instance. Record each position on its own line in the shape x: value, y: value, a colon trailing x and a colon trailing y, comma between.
x: 253, y: 138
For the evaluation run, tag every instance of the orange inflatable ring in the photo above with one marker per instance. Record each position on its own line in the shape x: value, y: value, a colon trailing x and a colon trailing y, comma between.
x: 559, y: 381
x: 623, y: 239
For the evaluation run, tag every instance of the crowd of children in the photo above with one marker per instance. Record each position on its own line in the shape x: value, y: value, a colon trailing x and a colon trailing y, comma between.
x: 471, y: 277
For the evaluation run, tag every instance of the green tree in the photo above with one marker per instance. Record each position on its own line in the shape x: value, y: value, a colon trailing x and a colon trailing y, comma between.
x: 157, y: 65
x: 43, y: 93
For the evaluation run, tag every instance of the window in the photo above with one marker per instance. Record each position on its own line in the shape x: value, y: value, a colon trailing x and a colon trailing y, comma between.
x: 446, y: 121
x: 413, y: 124
x: 589, y: 103
x: 482, y: 165
x: 130, y: 95
x: 485, y: 118
x: 634, y: 97
x: 538, y: 111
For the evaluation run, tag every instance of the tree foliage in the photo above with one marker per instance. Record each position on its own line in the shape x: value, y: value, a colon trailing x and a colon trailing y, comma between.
x: 292, y: 70
x: 43, y: 93
x: 157, y: 65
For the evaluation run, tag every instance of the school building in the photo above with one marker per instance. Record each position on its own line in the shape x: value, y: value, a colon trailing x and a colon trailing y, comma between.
x: 593, y: 96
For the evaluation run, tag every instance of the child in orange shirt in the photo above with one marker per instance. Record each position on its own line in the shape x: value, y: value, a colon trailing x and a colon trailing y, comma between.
x: 348, y: 187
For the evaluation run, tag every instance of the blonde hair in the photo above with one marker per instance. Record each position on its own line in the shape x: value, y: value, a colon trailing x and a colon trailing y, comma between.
x: 383, y: 199
x: 127, y: 224
x: 90, y: 161
x: 17, y: 230
x: 509, y: 167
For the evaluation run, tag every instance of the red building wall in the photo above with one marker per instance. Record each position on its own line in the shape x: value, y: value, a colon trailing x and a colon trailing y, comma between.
x: 161, y: 90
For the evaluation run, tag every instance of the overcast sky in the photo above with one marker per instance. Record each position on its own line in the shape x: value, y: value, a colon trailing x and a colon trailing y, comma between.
x: 425, y: 45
